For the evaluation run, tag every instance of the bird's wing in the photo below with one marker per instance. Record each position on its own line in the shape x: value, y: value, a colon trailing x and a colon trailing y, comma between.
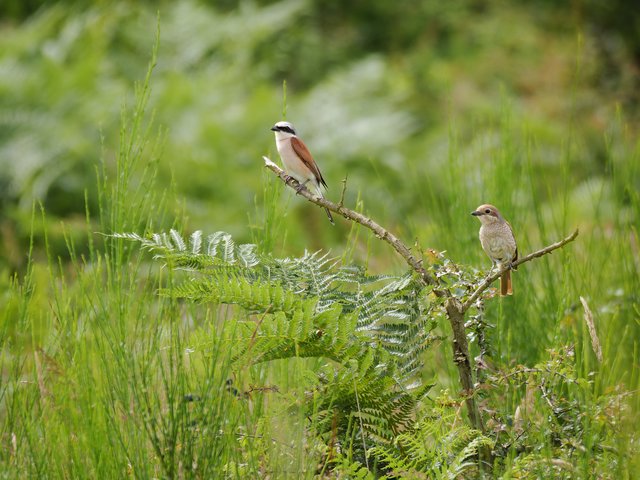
x: 305, y: 155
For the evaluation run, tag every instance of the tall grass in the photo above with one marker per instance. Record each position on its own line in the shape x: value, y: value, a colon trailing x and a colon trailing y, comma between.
x: 98, y: 372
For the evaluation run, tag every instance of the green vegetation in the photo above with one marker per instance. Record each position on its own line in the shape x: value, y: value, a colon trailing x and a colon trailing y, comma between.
x: 134, y: 345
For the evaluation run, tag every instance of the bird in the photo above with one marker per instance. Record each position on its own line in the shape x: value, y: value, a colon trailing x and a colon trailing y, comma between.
x: 297, y: 160
x: 498, y: 242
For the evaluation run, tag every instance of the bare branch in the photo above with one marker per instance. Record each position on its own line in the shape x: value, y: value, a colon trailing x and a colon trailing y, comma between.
x: 344, y: 190
x: 354, y: 216
x: 493, y: 277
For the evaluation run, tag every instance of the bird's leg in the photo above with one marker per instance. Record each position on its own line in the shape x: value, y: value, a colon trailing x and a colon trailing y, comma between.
x: 301, y: 186
x: 494, y: 268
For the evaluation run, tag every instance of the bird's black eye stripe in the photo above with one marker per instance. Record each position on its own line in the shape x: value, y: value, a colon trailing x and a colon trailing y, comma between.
x: 288, y: 130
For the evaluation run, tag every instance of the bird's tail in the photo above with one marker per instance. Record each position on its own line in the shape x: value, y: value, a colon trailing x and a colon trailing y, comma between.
x: 319, y: 192
x: 330, y: 217
x: 505, y: 284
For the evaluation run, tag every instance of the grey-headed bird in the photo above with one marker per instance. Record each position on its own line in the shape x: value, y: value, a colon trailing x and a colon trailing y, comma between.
x: 297, y: 159
x: 498, y: 241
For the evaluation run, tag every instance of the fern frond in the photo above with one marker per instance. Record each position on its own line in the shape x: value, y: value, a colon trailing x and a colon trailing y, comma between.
x: 437, y: 446
x: 254, y: 296
x: 372, y: 329
x: 196, y: 242
x: 173, y: 248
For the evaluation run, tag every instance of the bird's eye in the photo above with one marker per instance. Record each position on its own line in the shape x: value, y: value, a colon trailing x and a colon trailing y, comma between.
x: 487, y: 211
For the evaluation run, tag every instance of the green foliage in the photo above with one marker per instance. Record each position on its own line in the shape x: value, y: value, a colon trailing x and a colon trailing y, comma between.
x: 310, y: 291
x: 373, y: 329
x: 344, y: 468
x: 439, y: 445
x: 559, y: 414
x: 365, y: 401
x: 95, y: 378
x: 255, y: 361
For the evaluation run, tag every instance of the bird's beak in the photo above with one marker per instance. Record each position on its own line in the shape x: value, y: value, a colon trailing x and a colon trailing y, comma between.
x: 274, y: 128
x: 476, y: 213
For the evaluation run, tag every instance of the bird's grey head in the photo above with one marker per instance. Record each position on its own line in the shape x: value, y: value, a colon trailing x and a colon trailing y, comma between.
x: 284, y: 127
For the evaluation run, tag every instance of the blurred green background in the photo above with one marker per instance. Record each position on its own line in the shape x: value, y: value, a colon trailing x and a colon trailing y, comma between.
x: 429, y: 109
x: 392, y: 94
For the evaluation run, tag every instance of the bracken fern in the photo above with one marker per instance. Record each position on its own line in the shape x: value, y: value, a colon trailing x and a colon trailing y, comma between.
x: 371, y: 329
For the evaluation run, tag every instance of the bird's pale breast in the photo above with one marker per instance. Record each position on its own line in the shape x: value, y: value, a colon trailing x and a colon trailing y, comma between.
x: 498, y: 242
x: 292, y: 163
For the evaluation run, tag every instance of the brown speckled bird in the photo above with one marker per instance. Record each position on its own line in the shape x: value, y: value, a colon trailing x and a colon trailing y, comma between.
x: 498, y: 241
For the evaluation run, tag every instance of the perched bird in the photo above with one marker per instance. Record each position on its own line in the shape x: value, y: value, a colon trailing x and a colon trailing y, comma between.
x: 498, y: 241
x: 297, y: 159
